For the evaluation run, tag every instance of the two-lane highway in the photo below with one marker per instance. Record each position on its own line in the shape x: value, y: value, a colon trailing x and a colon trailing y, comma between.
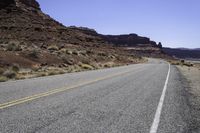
x: 137, y: 98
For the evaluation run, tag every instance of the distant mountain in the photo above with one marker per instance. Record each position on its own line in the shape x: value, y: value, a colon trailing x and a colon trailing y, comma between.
x: 187, y: 48
x: 197, y: 49
x: 183, y: 52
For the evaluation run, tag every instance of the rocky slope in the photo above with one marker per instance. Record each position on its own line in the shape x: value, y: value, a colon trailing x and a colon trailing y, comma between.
x: 31, y: 42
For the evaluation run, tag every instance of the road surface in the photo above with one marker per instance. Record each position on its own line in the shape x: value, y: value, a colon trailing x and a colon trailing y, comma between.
x: 142, y: 98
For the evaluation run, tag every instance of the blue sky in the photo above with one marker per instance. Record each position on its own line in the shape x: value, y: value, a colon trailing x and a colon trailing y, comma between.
x: 175, y: 23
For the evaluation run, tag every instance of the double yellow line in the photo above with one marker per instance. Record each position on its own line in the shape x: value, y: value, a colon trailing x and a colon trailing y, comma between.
x: 48, y: 93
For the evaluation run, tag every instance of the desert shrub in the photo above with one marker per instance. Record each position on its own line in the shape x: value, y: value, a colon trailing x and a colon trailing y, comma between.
x: 56, y: 72
x: 83, y: 53
x: 38, y: 29
x: 63, y: 50
x: 86, y: 66
x: 69, y: 52
x: 68, y: 61
x: 61, y: 72
x: 9, y: 74
x: 53, y: 48
x: 102, y: 54
x: 174, y: 62
x: 15, y: 68
x: 33, y: 54
x: 19, y: 77
x: 188, y: 64
x: 89, y: 52
x: 86, y: 61
x: 10, y: 47
x: 75, y: 52
x: 109, y: 64
x: 112, y: 56
x: 182, y: 61
x: 1, y: 71
x: 3, y: 79
x: 13, y: 47
x: 1, y: 41
x: 41, y: 74
x: 140, y: 57
x: 52, y: 73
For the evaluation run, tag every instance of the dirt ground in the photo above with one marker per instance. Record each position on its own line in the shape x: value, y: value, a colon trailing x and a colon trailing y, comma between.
x: 192, y: 76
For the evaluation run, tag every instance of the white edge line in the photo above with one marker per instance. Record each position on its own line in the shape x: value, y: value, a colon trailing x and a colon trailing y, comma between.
x: 156, y: 121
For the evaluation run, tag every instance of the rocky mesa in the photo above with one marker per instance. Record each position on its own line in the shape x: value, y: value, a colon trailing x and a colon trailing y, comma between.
x: 32, y: 43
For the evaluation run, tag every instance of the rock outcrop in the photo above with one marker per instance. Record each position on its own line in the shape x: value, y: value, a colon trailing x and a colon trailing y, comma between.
x: 19, y: 3
x: 6, y: 3
x: 29, y: 3
x: 30, y: 38
x: 22, y: 20
x: 127, y: 40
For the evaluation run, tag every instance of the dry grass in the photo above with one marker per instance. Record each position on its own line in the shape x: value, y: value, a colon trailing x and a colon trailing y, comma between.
x: 34, y: 54
x: 109, y: 64
x: 3, y: 79
x: 87, y: 66
x: 15, y: 68
x: 1, y: 71
x: 181, y: 62
x: 10, y: 74
x: 55, y: 73
x: 13, y: 46
x: 53, y: 48
x: 69, y: 52
x: 41, y: 74
x: 17, y: 72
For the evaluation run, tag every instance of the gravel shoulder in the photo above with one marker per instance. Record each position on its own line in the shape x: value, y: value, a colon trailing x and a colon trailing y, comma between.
x: 192, y: 78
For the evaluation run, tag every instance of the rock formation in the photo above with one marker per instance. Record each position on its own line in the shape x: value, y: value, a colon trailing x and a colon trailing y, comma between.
x: 5, y: 3
x: 29, y: 3
x: 19, y: 3
x: 129, y: 40
x: 29, y: 37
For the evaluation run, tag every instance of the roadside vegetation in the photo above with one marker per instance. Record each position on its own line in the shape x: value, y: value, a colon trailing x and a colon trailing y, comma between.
x: 181, y: 63
x: 20, y: 60
x: 192, y: 76
x: 17, y: 72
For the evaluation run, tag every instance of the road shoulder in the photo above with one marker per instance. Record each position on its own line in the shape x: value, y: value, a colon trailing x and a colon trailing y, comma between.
x: 191, y: 77
x: 175, y: 116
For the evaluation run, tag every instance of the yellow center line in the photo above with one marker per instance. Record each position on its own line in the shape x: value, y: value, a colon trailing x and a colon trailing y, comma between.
x: 45, y: 94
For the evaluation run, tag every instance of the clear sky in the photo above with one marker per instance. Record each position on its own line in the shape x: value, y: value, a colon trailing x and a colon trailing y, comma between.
x: 175, y: 23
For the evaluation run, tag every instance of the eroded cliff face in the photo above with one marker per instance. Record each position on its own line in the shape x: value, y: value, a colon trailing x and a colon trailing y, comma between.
x: 19, y: 3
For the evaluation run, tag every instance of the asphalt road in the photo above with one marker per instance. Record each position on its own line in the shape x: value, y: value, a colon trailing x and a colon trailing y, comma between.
x: 119, y: 100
